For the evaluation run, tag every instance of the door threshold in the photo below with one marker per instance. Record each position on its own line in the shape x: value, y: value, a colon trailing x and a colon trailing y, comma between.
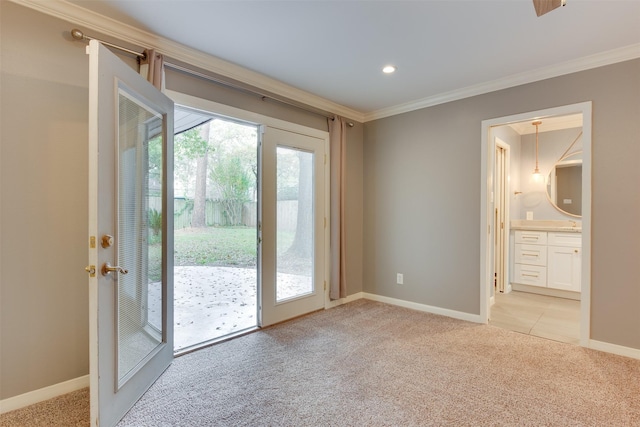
x: 209, y: 343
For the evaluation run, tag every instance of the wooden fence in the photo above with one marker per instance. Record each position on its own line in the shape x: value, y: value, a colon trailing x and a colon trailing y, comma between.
x: 287, y: 213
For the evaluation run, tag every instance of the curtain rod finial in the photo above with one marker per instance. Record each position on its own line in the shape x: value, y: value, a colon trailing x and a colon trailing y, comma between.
x: 77, y: 34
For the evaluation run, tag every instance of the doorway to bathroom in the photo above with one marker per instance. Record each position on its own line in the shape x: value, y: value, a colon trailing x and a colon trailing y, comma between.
x: 531, y: 239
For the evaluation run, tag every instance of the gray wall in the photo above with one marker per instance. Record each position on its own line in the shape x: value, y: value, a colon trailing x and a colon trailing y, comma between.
x: 422, y: 196
x: 44, y: 338
x: 43, y: 220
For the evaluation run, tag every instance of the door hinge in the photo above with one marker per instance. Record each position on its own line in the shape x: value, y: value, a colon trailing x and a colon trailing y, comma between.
x: 325, y: 285
x: 325, y: 159
x: 325, y: 222
x: 92, y: 242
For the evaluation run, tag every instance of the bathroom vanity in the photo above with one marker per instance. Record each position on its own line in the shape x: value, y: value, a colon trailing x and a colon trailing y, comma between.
x: 547, y: 257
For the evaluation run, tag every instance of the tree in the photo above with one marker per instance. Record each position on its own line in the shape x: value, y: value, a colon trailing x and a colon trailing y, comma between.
x: 233, y: 181
x: 190, y: 145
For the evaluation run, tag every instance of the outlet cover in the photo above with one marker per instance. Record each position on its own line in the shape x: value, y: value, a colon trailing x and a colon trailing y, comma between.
x: 400, y: 279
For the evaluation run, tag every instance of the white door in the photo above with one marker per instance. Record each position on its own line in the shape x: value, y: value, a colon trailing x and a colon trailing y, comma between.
x: 130, y: 255
x: 293, y: 225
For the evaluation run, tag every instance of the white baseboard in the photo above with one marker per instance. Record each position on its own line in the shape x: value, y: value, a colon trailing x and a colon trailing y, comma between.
x: 347, y: 299
x: 426, y: 308
x: 42, y: 394
x: 620, y: 350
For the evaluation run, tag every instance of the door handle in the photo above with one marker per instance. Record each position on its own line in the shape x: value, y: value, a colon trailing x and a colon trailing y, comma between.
x: 108, y: 268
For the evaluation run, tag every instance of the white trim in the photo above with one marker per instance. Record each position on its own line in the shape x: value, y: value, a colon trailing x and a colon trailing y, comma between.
x: 593, y: 61
x: 46, y: 393
x: 85, y: 18
x: 341, y: 301
x: 426, y: 308
x: 486, y: 186
x: 620, y: 350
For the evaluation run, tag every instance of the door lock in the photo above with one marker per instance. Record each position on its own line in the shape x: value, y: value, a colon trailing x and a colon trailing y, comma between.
x: 107, y: 241
x: 91, y: 269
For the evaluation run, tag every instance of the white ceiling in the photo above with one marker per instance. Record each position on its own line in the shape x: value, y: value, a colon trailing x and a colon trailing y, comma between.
x: 336, y: 49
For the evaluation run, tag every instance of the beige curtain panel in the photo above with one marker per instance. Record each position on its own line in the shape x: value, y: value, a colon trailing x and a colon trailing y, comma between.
x: 338, y: 156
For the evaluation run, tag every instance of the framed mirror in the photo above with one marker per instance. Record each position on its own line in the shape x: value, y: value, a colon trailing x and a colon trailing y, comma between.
x: 564, y: 185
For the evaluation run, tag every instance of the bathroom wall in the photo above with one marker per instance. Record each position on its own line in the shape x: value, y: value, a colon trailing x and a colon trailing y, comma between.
x: 511, y: 137
x: 551, y: 146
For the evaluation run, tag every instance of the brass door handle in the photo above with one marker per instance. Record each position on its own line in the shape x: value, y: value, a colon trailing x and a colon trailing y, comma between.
x: 108, y: 268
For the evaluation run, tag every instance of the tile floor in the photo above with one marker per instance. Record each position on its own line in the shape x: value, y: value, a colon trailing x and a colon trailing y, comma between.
x: 540, y: 315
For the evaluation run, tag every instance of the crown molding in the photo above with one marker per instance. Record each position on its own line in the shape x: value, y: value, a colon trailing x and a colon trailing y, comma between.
x: 90, y: 20
x: 129, y: 34
x: 593, y: 61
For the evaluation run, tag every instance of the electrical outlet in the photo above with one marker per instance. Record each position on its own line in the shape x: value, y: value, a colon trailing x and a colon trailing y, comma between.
x: 400, y: 279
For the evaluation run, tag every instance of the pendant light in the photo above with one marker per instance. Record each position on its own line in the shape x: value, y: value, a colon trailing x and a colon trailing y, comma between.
x: 537, y: 177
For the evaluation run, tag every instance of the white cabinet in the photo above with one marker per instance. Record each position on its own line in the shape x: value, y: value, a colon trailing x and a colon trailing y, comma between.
x: 564, y: 261
x: 548, y: 259
x: 530, y: 258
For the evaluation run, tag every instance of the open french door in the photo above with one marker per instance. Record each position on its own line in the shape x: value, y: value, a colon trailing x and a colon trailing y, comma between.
x: 293, y: 255
x: 130, y: 255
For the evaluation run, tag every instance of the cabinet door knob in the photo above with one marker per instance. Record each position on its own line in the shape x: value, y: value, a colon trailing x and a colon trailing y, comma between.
x: 575, y: 250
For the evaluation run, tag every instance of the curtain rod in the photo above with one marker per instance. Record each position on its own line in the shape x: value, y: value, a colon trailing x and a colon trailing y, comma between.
x: 249, y: 90
x: 79, y: 35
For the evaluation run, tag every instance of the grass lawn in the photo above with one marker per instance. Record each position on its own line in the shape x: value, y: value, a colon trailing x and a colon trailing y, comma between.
x: 228, y: 246
x: 214, y: 246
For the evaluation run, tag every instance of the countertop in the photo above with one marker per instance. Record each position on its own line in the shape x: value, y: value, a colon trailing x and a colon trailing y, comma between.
x: 547, y: 225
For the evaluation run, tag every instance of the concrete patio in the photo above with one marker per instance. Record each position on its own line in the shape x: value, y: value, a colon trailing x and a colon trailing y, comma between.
x: 211, y: 302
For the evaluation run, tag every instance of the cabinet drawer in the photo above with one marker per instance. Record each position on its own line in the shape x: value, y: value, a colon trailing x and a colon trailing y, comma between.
x: 565, y: 239
x: 531, y: 254
x: 533, y: 275
x: 531, y: 237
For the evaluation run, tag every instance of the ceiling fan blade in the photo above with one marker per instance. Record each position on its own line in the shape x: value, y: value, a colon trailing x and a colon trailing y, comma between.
x: 546, y: 6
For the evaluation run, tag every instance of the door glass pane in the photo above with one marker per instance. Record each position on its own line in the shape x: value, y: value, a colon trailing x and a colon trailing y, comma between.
x: 294, y: 223
x: 140, y: 145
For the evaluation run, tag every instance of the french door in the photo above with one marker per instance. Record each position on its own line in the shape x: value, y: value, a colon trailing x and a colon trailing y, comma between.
x: 292, y: 231
x: 130, y: 265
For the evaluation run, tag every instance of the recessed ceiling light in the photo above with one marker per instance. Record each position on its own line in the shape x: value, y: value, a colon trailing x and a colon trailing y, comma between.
x: 389, y: 69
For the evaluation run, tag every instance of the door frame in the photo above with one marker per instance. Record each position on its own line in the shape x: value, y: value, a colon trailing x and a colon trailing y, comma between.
x: 487, y: 167
x: 194, y: 102
x: 505, y: 191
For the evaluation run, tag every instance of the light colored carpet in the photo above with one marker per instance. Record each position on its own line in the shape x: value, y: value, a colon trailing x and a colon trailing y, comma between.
x: 70, y: 410
x: 372, y: 364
